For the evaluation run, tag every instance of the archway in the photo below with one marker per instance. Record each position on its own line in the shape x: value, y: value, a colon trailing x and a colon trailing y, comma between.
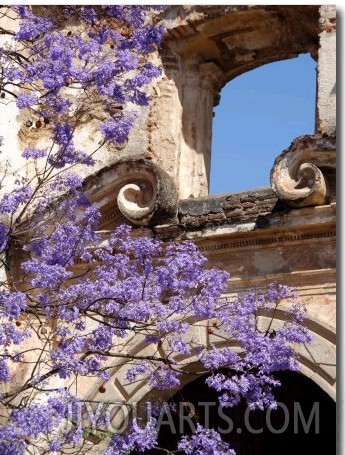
x: 202, y: 54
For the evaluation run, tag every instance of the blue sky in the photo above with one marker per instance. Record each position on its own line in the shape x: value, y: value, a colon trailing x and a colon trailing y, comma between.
x: 259, y: 114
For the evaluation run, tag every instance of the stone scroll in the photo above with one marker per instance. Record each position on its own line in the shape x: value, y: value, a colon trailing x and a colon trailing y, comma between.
x: 143, y: 192
x: 304, y: 174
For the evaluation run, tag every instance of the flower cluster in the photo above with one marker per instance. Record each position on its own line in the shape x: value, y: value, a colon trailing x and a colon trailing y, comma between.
x: 99, y: 50
x: 251, y: 375
x: 138, y: 438
x: 139, y: 286
x: 204, y: 442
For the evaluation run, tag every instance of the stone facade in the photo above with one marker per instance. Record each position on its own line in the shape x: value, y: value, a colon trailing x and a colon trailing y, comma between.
x: 158, y: 181
x: 286, y: 232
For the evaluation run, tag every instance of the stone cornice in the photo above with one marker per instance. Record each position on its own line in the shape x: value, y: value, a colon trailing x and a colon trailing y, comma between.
x: 275, y: 227
x: 268, y: 240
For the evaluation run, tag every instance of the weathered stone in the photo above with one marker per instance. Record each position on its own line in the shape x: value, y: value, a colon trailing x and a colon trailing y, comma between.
x: 247, y: 205
x: 297, y: 175
x: 202, y: 206
x: 144, y: 193
x: 285, y: 233
x: 326, y: 81
x: 234, y: 213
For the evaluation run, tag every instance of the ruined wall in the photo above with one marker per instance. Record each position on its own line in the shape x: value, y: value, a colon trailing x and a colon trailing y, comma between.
x: 158, y: 181
x: 284, y: 233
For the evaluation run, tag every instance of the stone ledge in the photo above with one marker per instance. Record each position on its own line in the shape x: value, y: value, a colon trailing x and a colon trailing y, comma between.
x: 267, y: 227
x: 232, y: 208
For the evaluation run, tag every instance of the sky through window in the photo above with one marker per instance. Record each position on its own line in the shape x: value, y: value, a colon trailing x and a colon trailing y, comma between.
x: 259, y: 114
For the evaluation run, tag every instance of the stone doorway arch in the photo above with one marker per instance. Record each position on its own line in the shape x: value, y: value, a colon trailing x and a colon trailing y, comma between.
x: 317, y: 361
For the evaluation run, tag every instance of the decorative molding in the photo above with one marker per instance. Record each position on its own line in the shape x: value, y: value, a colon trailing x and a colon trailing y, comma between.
x: 301, y: 174
x: 308, y: 283
x: 248, y: 242
x: 138, y: 188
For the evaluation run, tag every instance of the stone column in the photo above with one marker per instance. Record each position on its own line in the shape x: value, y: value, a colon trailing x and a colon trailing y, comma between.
x: 165, y: 116
x: 180, y: 121
x: 200, y: 93
x: 326, y: 93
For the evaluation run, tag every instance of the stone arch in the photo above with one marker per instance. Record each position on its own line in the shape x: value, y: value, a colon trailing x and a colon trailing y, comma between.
x: 317, y: 362
x: 206, y: 47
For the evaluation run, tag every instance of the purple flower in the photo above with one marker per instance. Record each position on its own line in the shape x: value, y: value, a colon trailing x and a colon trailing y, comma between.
x: 219, y: 358
x: 55, y: 445
x: 136, y: 370
x: 31, y: 26
x: 117, y: 128
x: 10, y: 442
x: 139, y: 438
x: 11, y: 201
x: 204, y: 442
x: 12, y: 304
x: 34, y: 153
x: 26, y: 100
x: 163, y: 377
x: 34, y: 420
x: 5, y: 374
x: 3, y: 236
x: 178, y: 345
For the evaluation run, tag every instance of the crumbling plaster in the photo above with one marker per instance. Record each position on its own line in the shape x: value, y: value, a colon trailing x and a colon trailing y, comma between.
x: 256, y: 235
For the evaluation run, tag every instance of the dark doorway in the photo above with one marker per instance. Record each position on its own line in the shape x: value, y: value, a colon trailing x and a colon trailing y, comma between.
x: 304, y: 423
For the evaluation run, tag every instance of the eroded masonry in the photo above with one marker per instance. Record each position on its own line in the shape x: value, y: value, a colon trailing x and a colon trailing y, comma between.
x: 160, y: 183
x: 158, y: 180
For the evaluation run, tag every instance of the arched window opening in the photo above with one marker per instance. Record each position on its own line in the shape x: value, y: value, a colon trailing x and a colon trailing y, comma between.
x: 259, y: 114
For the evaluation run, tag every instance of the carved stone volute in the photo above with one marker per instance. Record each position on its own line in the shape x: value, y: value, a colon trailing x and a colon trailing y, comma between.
x: 304, y: 174
x: 138, y: 188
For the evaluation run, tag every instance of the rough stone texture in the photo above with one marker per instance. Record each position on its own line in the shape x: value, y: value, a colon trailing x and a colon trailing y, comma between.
x: 234, y: 208
x: 326, y: 98
x: 206, y: 47
x: 304, y: 174
x: 261, y: 235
